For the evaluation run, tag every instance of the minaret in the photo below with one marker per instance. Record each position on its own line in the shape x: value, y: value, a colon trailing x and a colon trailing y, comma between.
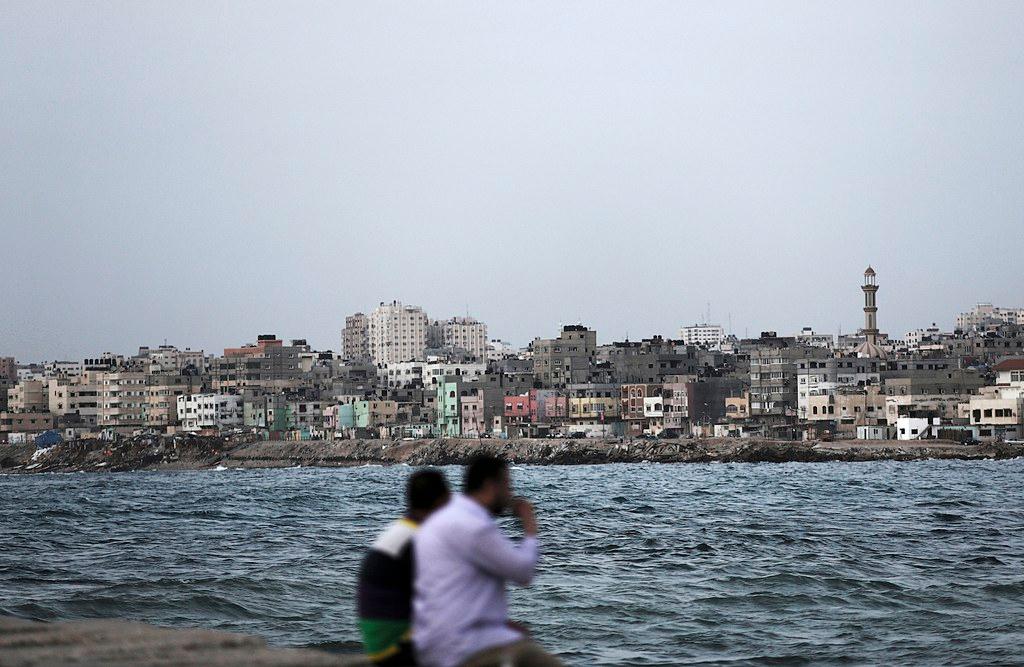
x: 870, y: 307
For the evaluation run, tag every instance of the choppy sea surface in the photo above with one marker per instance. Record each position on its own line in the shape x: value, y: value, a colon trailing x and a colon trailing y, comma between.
x: 852, y: 563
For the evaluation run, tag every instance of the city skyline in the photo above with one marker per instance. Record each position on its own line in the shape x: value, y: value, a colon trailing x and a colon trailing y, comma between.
x: 337, y: 347
x: 170, y: 176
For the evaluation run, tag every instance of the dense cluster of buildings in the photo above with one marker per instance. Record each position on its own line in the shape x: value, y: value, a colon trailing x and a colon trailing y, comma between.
x: 401, y: 374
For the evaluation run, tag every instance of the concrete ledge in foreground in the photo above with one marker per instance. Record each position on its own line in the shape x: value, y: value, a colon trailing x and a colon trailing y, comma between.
x: 122, y: 643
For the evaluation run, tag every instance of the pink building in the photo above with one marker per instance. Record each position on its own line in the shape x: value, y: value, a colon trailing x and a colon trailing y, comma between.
x: 518, y: 409
x: 472, y: 408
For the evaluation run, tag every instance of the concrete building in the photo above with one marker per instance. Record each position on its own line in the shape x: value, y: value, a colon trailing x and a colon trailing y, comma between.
x: 209, y: 412
x: 998, y: 411
x: 650, y: 360
x: 27, y: 423
x: 848, y: 408
x: 917, y: 428
x: 28, y: 396
x: 703, y: 335
x: 903, y: 377
x: 123, y: 400
x: 263, y: 343
x: 306, y: 416
x: 169, y: 359
x: 559, y: 362
x: 466, y: 333
x: 355, y: 338
x: 9, y: 368
x: 818, y: 375
x: 808, y: 337
x: 31, y: 372
x: 162, y: 392
x: 105, y: 362
x: 945, y: 407
x: 633, y: 400
x: 397, y: 332
x: 499, y: 350
x: 737, y: 407
x: 63, y: 369
x: 473, y: 423
x: 373, y: 414
x: 773, y: 377
x: 269, y: 365
x: 918, y: 337
x: 706, y: 399
x: 58, y: 392
x: 985, y: 316
x: 435, y: 372
x: 594, y: 409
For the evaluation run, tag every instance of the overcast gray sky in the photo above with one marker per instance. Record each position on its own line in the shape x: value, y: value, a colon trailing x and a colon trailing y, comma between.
x: 203, y: 172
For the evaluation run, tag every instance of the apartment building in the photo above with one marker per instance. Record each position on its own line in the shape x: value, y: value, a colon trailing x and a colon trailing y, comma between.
x: 208, y: 412
x: 123, y: 400
x: 169, y: 359
x: 704, y: 335
x: 162, y: 392
x: 773, y: 377
x: 985, y: 315
x: 28, y: 396
x: 823, y: 375
x: 998, y: 411
x: 559, y: 362
x: 9, y: 368
x: 467, y: 334
x: 355, y: 338
x: 397, y: 332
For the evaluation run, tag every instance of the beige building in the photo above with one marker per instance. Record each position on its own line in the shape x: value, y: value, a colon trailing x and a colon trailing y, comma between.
x: 28, y: 396
x: 162, y: 392
x: 83, y: 396
x: 466, y: 333
x: 848, y: 407
x: 737, y: 407
x: 998, y: 411
x: 396, y: 332
x: 58, y: 395
x: 124, y: 398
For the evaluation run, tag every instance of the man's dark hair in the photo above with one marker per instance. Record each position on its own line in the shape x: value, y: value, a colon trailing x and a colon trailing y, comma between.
x: 425, y: 488
x: 481, y: 468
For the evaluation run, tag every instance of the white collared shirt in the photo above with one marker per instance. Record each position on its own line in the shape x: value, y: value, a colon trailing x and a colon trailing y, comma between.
x: 462, y: 563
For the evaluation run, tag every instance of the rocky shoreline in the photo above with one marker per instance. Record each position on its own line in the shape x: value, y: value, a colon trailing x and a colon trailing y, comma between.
x: 198, y: 453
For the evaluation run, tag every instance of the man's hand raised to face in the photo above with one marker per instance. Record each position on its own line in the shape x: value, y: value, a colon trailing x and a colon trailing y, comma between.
x: 522, y: 509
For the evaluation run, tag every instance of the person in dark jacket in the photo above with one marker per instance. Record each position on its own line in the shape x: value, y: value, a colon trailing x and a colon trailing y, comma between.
x: 386, y: 575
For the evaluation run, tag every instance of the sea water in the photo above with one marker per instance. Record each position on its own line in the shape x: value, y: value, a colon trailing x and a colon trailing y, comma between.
x: 854, y: 563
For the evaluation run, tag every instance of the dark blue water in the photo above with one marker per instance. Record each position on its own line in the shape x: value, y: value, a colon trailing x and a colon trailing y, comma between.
x: 880, y: 563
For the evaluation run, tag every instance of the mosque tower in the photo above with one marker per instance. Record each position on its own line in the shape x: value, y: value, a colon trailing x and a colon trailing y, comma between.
x: 869, y: 348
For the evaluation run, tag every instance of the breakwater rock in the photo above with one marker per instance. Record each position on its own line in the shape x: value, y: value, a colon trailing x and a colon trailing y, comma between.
x: 114, y: 643
x: 193, y: 453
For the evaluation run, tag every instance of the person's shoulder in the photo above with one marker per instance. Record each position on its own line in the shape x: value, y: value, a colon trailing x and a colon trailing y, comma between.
x: 455, y: 517
x: 395, y: 538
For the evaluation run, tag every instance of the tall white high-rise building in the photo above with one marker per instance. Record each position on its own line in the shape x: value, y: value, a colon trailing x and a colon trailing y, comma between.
x: 396, y: 332
x: 709, y: 335
x: 466, y: 333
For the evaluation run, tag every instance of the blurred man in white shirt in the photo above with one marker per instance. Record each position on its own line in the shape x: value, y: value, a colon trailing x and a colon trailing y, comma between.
x: 463, y: 560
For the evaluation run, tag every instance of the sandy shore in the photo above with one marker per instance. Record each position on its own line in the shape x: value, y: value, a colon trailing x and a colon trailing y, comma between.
x: 197, y: 453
